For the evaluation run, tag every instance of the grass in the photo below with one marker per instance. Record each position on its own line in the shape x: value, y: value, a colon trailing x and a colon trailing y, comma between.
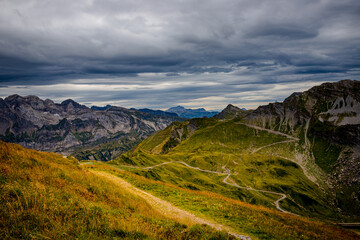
x: 46, y: 196
x: 227, y: 143
x: 258, y: 222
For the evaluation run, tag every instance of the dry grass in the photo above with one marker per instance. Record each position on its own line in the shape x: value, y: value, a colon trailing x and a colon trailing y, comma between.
x: 46, y: 196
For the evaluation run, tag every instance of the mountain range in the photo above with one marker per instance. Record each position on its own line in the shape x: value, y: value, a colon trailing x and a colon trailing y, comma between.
x: 191, y: 113
x: 173, y: 111
x: 72, y: 128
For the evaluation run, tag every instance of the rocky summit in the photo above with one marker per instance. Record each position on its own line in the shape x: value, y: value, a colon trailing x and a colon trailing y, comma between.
x: 70, y: 127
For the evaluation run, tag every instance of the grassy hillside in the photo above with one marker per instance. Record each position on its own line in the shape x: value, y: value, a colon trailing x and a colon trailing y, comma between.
x: 46, y: 196
x: 255, y: 221
x: 253, y: 156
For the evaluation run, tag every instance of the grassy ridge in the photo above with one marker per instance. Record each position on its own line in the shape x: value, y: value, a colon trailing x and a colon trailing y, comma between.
x: 43, y: 195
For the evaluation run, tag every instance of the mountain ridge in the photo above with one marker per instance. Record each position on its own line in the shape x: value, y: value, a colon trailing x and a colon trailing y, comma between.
x: 63, y: 127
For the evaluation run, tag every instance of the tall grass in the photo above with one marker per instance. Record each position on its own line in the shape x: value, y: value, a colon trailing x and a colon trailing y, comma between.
x: 257, y: 221
x: 46, y: 196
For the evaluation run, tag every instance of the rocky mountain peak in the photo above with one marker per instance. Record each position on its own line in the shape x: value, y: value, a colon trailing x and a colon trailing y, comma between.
x: 73, y: 103
x: 16, y: 101
x: 70, y: 105
x: 13, y: 97
x: 230, y: 111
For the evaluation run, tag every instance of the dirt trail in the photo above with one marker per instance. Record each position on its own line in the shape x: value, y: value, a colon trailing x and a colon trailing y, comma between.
x: 270, y: 131
x: 271, y: 144
x: 292, y: 139
x: 167, y: 209
x: 283, y: 196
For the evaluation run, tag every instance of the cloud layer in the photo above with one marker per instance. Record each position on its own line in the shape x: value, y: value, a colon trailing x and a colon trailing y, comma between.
x: 163, y: 53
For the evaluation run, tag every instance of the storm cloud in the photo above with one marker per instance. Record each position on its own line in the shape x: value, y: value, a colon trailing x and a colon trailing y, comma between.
x: 163, y: 53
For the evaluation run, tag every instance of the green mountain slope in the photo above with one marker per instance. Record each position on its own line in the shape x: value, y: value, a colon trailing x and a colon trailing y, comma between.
x: 216, y: 145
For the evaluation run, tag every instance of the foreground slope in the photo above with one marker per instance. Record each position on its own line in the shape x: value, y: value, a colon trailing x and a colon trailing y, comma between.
x: 46, y: 196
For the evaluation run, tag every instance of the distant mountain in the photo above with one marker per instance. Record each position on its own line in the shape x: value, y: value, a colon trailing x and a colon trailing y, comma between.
x: 158, y: 112
x: 101, y: 108
x: 191, y: 113
x: 72, y: 128
x: 145, y: 110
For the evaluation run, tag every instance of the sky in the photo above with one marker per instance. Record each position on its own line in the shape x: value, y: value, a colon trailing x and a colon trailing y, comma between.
x: 160, y: 54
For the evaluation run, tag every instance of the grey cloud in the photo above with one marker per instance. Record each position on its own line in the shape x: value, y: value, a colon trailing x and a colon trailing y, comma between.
x: 226, y: 42
x: 286, y: 32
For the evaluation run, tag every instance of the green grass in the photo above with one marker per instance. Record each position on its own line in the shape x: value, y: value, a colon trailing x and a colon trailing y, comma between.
x: 256, y: 221
x: 227, y: 143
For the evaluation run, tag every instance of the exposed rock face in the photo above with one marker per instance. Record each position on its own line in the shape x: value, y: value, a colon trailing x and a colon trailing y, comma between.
x: 335, y: 103
x: 48, y: 126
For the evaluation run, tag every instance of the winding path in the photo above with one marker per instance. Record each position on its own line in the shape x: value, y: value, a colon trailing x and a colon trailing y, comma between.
x: 170, y: 209
x: 283, y: 196
x: 225, y: 180
x: 228, y: 173
x: 291, y: 138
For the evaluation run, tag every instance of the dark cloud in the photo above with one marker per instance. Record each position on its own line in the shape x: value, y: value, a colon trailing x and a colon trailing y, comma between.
x: 176, y: 51
x: 286, y: 32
